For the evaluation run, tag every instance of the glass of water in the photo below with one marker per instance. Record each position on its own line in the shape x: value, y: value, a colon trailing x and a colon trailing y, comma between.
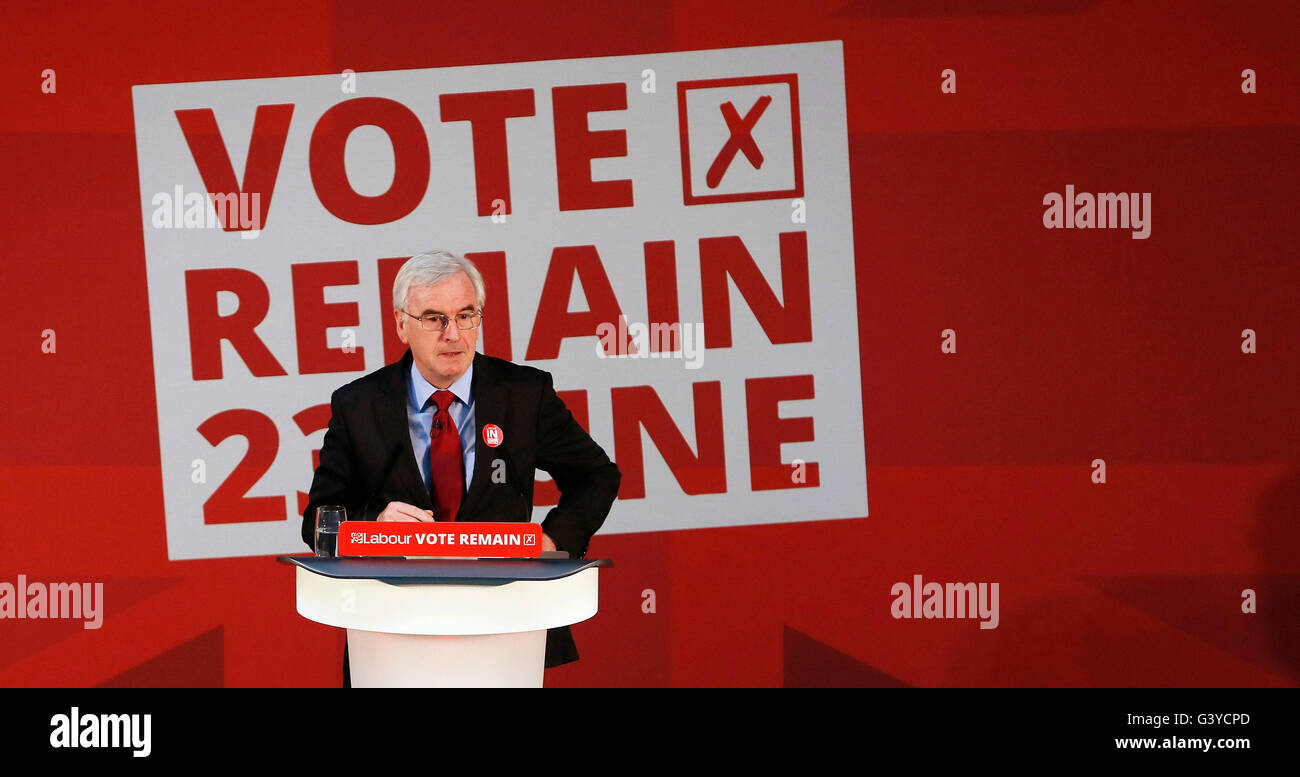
x: 328, y: 518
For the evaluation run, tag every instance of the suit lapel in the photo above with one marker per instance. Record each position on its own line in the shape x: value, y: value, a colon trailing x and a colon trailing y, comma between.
x: 489, y: 408
x: 389, y: 407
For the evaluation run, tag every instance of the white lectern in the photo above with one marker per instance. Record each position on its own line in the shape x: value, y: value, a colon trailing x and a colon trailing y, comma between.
x: 446, y: 623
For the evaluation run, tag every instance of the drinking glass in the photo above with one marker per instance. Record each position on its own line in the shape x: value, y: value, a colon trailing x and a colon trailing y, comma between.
x: 328, y: 518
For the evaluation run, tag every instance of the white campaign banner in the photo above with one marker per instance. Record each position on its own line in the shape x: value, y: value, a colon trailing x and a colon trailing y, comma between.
x: 605, y: 200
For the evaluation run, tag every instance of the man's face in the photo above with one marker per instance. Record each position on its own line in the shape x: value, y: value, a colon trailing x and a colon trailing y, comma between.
x: 442, y: 357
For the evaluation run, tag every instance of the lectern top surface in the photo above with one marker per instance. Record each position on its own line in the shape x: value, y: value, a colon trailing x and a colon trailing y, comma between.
x: 458, y: 571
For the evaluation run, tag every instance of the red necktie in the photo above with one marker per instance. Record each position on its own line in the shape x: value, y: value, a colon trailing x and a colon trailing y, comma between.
x: 446, y: 464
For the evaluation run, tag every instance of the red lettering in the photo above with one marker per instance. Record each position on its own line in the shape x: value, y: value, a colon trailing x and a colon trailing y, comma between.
x: 313, y: 315
x: 486, y: 113
x: 265, y: 148
x: 723, y: 257
x: 576, y: 146
x: 229, y: 503
x: 635, y: 407
x: 208, y: 327
x: 495, y: 331
x: 767, y: 430
x: 661, y: 294
x: 555, y: 321
x: 410, y: 160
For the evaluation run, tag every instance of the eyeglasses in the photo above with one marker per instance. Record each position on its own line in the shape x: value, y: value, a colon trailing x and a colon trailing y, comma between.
x: 436, y: 322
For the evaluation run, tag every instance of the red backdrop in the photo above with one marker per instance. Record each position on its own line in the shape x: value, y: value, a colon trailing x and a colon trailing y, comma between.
x: 1073, y: 345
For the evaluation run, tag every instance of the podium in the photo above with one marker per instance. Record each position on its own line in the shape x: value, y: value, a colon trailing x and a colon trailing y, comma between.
x: 446, y: 623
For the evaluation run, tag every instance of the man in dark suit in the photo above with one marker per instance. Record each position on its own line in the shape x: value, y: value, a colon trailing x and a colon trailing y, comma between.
x: 446, y: 433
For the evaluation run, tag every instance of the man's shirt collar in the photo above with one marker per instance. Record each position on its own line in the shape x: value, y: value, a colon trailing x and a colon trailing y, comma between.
x: 422, y: 389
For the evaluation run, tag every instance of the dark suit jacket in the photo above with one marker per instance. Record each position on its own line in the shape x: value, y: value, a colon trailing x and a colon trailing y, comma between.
x: 367, y: 461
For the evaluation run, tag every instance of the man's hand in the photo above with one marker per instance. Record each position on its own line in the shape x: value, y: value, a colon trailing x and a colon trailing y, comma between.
x: 401, y: 511
x: 547, y: 543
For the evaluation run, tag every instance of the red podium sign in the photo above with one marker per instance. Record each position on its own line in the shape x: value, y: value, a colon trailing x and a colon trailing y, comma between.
x: 440, y: 538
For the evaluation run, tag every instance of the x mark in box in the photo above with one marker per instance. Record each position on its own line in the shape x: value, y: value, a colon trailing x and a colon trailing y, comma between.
x: 740, y: 139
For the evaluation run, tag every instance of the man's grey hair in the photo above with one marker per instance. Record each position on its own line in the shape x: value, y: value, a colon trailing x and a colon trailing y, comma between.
x: 431, y: 268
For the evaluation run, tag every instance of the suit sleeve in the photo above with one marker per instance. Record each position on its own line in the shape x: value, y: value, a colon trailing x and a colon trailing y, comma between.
x: 336, y: 478
x: 587, y: 479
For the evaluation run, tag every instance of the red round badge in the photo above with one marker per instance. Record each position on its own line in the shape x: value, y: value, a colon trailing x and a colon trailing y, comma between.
x: 492, y: 435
